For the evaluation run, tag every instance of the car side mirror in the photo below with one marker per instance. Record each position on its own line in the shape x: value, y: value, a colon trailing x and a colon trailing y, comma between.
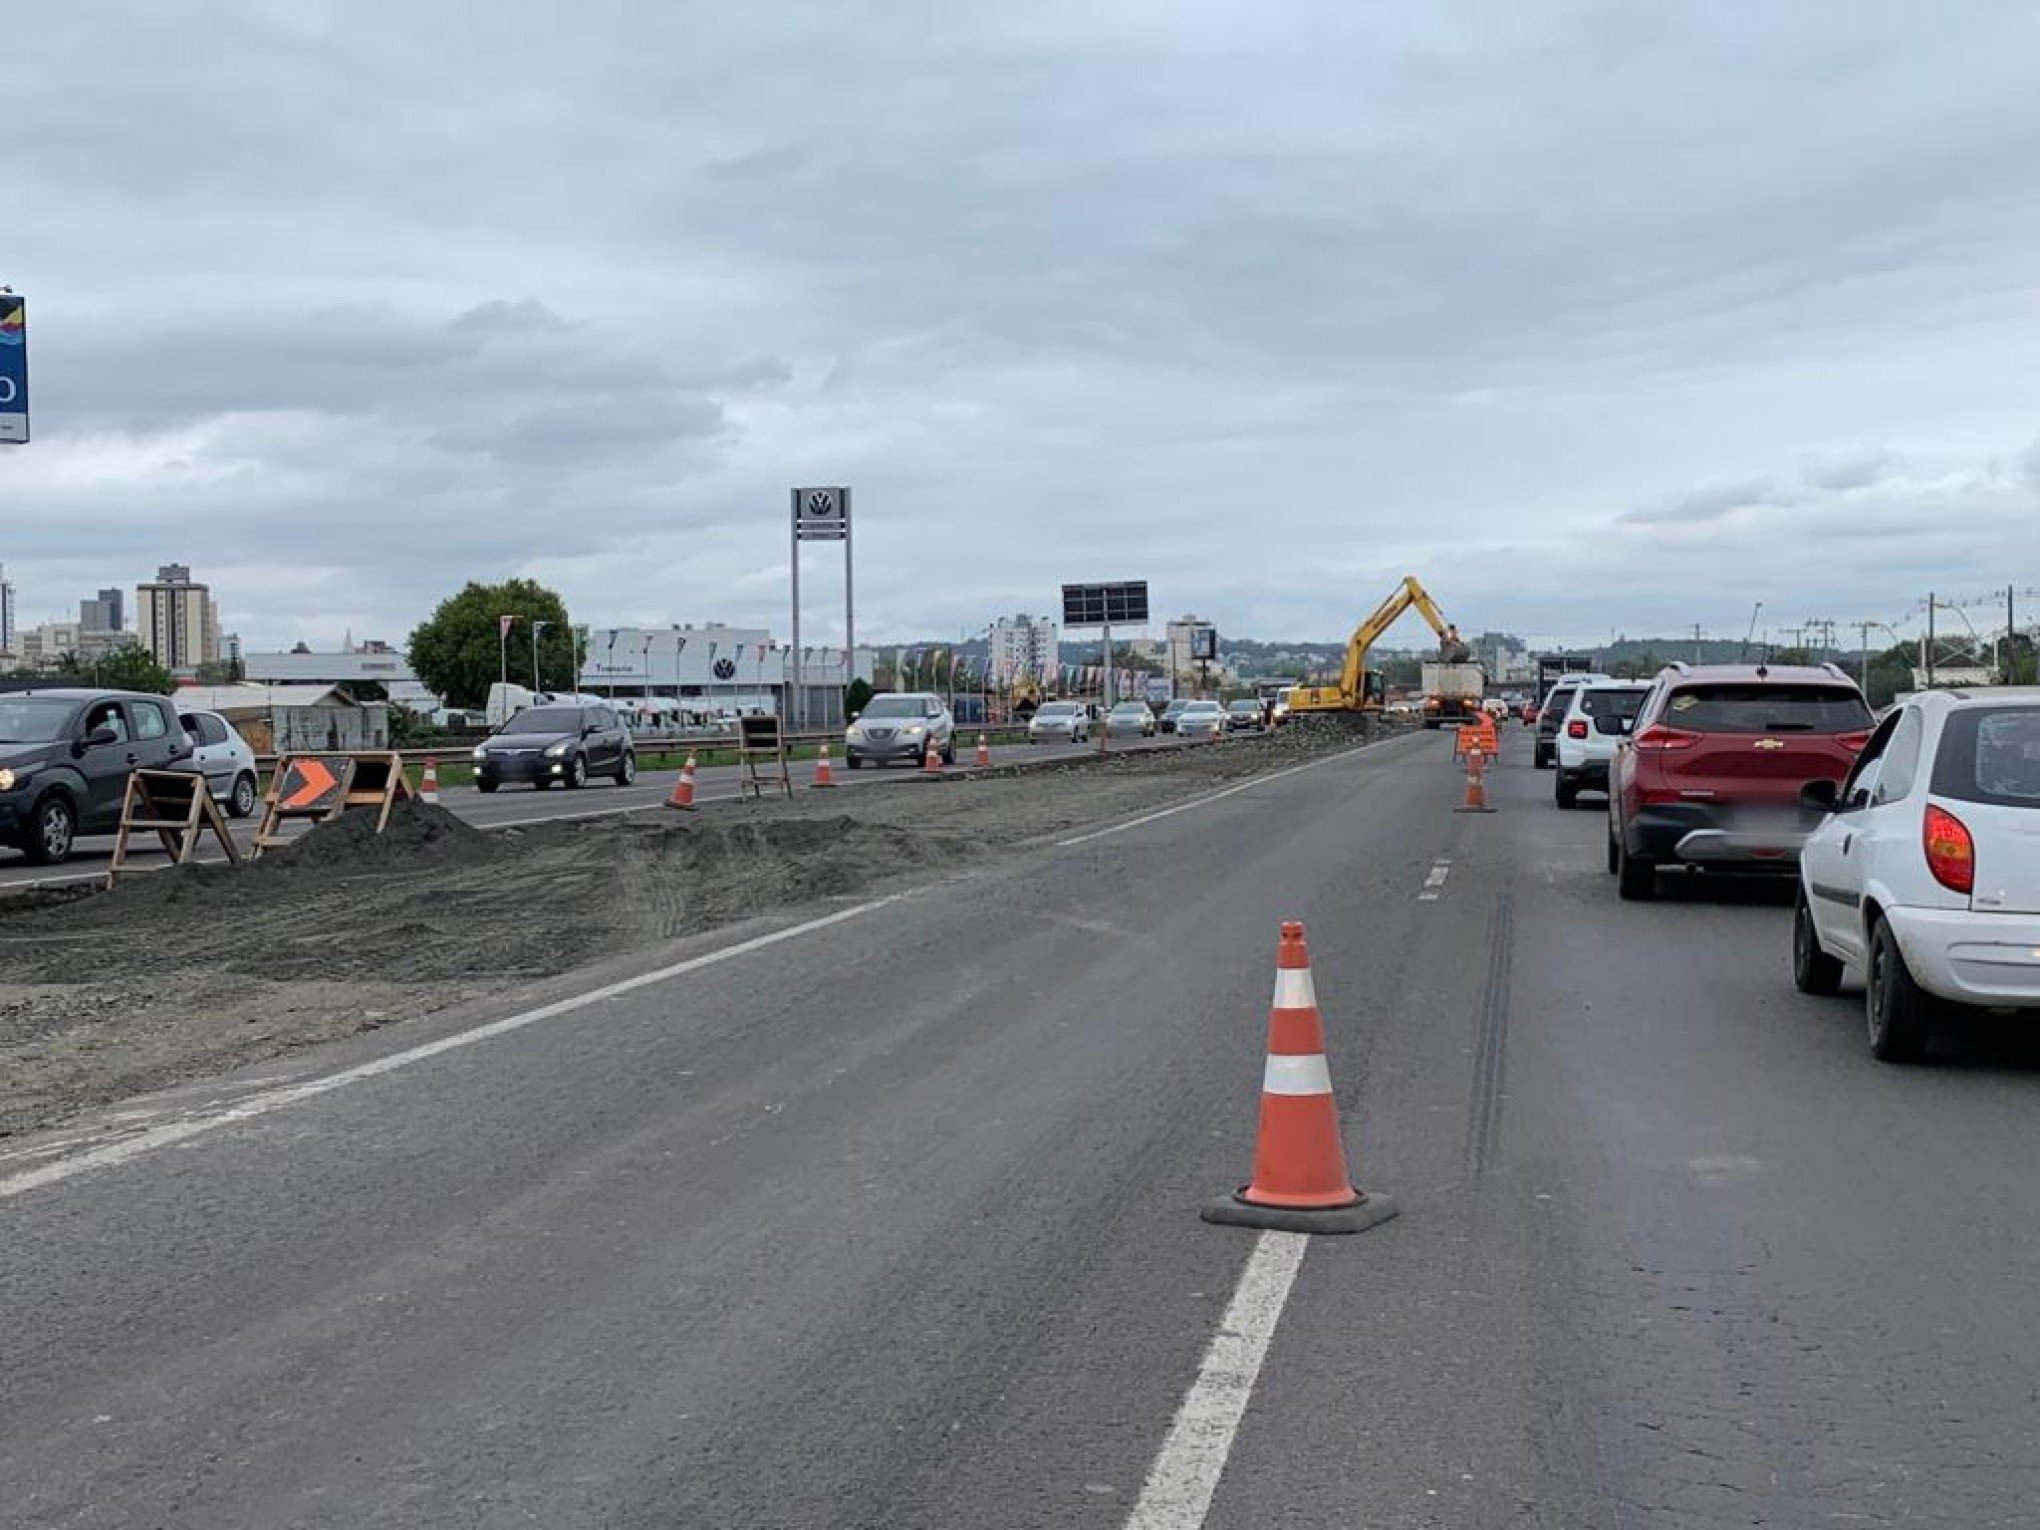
x: 100, y: 737
x: 855, y: 715
x: 1822, y: 796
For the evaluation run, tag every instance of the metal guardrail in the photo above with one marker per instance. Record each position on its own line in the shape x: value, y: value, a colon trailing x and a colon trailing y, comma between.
x: 647, y: 743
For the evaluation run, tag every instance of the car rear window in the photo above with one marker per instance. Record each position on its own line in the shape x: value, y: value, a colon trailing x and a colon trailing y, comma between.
x: 1764, y: 708
x: 1990, y: 754
x: 1559, y: 699
x: 1608, y: 702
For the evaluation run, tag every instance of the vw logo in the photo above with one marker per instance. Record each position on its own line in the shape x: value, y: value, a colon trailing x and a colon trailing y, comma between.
x: 821, y: 505
x: 725, y: 669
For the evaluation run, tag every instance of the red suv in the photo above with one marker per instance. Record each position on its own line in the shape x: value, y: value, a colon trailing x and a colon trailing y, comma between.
x: 1710, y: 775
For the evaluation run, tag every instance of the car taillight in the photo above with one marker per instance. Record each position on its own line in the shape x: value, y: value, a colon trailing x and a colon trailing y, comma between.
x: 1658, y: 736
x: 1853, y: 742
x: 1576, y: 729
x: 1951, y: 853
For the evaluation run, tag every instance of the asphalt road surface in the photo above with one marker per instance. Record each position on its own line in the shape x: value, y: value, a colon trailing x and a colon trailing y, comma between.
x: 891, y: 1222
x: 522, y: 804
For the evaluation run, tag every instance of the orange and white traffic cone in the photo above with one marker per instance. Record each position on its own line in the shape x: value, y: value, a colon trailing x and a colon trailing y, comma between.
x: 428, y: 783
x: 824, y: 777
x: 1476, y: 783
x: 984, y: 752
x: 683, y: 789
x: 931, y: 759
x: 1300, y: 1181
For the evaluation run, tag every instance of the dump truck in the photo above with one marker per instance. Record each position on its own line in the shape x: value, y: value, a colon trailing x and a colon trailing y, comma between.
x: 1452, y: 692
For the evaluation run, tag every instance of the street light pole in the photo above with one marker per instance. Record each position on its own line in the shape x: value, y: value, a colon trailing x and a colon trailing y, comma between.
x: 536, y: 628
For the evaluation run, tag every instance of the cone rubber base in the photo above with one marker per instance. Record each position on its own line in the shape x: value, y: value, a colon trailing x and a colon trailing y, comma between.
x: 821, y: 786
x: 1472, y: 810
x: 1368, y: 1211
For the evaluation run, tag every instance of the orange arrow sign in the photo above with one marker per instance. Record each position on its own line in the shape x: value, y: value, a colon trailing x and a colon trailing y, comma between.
x: 316, y: 781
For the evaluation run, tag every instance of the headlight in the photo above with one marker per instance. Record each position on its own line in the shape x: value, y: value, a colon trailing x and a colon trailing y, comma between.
x: 852, y: 734
x: 479, y: 755
x: 6, y: 780
x: 558, y: 749
x: 913, y: 730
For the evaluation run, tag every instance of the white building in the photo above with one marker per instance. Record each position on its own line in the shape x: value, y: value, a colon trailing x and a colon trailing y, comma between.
x: 739, y: 669
x: 1025, y: 647
x: 368, y: 663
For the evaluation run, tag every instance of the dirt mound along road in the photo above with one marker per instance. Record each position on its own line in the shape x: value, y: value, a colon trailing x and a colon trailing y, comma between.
x: 184, y: 973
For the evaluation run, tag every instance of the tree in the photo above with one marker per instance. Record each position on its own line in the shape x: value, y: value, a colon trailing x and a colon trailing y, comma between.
x: 455, y: 651
x: 128, y: 668
x: 857, y: 697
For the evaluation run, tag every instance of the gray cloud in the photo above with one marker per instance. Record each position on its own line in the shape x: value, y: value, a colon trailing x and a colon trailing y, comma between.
x: 1072, y: 288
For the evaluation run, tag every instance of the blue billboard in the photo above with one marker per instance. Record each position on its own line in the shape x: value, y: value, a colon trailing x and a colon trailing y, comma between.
x: 13, y: 368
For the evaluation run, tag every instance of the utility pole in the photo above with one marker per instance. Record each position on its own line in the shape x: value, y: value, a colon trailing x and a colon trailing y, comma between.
x: 1696, y: 642
x: 1863, y: 642
x: 2007, y: 671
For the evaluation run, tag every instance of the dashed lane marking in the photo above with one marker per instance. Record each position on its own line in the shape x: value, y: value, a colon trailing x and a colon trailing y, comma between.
x: 1177, y: 1494
x: 1434, y: 880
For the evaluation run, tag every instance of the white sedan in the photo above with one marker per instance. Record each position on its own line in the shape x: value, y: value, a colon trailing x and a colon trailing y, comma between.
x: 1925, y: 875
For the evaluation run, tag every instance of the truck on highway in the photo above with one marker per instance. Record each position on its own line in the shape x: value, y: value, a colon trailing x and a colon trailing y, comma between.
x: 1452, y: 692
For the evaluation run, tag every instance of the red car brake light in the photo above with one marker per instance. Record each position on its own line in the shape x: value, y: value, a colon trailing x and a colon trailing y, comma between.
x: 1659, y: 737
x: 1951, y: 853
x: 1853, y: 742
x: 1577, y: 728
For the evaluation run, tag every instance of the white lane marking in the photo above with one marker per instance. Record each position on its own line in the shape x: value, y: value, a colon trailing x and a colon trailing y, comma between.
x: 1208, y: 798
x: 1294, y: 988
x: 1291, y: 1073
x: 282, y: 1098
x: 1434, y: 881
x: 1179, y: 1486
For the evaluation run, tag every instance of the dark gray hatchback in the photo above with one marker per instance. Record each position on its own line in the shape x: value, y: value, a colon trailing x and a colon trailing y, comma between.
x: 65, y: 756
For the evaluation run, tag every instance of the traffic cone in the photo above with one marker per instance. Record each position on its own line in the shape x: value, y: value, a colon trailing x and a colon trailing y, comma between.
x: 931, y: 759
x: 1300, y: 1181
x: 428, y: 783
x: 984, y: 752
x: 1476, y: 783
x: 824, y: 777
x: 683, y: 789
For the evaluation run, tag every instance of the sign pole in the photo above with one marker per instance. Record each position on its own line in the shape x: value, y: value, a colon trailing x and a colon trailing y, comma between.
x: 849, y: 601
x: 799, y: 701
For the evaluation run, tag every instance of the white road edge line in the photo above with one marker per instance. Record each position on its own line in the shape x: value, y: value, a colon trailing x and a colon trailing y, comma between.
x: 272, y: 1100
x: 1179, y: 1487
x: 1209, y: 798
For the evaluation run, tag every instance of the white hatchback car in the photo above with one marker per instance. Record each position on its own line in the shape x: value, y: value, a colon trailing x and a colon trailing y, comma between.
x: 1596, y: 720
x: 223, y: 757
x: 1925, y: 876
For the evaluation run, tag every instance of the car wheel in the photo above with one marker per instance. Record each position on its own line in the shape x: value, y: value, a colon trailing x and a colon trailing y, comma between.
x: 1540, y: 759
x: 627, y: 771
x: 1897, y: 1011
x: 484, y: 786
x: 853, y: 762
x: 1813, y: 970
x: 1635, y: 878
x: 1568, y: 793
x: 1614, y: 850
x: 242, y: 802
x: 577, y: 773
x: 52, y: 827
x: 949, y: 753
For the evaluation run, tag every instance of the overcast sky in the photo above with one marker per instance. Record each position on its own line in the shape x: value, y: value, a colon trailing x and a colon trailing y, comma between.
x: 1594, y: 316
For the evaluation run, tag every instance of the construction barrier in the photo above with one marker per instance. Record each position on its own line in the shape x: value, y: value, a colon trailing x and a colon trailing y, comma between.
x: 428, y: 783
x: 824, y: 777
x: 984, y: 752
x: 761, y: 753
x: 178, y: 807
x: 323, y: 786
x: 1476, y: 783
x: 931, y: 759
x: 1300, y: 1181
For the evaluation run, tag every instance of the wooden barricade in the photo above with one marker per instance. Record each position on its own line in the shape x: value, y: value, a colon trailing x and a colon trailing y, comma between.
x: 761, y: 752
x: 323, y: 786
x: 178, y: 806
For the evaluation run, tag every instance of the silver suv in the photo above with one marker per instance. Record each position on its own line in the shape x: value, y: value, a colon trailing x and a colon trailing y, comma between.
x: 900, y: 726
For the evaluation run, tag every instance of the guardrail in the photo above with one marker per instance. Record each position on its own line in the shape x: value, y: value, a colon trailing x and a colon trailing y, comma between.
x: 661, y: 743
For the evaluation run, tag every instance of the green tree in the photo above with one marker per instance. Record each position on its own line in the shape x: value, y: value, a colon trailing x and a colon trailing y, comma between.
x: 128, y: 668
x: 455, y: 650
x: 857, y: 697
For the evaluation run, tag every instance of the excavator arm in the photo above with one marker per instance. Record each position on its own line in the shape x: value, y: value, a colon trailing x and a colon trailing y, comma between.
x: 1352, y: 692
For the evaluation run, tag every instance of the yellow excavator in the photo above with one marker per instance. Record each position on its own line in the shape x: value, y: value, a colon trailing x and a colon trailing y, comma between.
x: 1359, y: 688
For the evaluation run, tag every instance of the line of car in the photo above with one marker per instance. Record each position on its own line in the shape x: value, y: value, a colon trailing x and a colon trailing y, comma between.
x: 1913, y: 839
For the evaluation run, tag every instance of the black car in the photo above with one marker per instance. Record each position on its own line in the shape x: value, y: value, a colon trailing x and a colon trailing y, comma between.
x: 567, y: 744
x: 65, y: 757
x: 1245, y: 716
x: 1544, y: 752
